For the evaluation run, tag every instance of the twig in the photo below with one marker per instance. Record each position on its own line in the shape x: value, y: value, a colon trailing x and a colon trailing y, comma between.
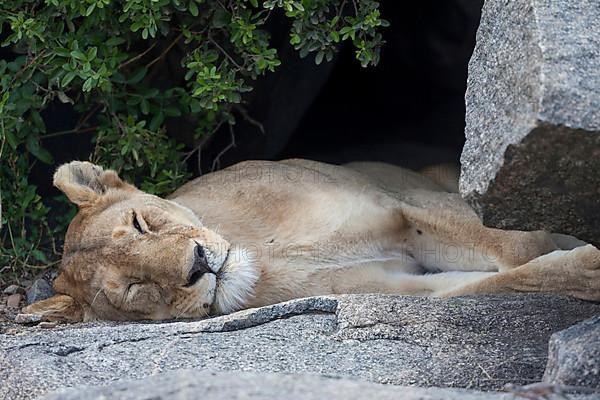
x: 69, y: 131
x: 142, y: 54
x: 222, y: 6
x: 82, y: 121
x: 26, y: 66
x: 264, y: 20
x: 341, y: 9
x: 252, y: 121
x: 217, y: 161
x: 169, y: 47
x: 3, y: 137
x: 118, y: 121
x: 199, y: 160
x: 43, y: 266
x: 38, y: 86
x: 204, y: 140
x: 222, y: 50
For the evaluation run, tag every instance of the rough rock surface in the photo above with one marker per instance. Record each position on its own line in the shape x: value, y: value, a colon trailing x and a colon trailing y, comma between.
x: 469, y: 342
x: 532, y: 153
x: 12, y: 289
x: 40, y: 289
x: 192, y: 385
x: 574, y: 355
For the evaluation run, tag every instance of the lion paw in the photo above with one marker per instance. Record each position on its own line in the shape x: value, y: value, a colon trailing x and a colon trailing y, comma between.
x: 584, y: 263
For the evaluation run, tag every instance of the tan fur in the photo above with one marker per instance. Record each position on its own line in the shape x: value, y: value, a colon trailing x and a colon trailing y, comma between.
x: 274, y: 231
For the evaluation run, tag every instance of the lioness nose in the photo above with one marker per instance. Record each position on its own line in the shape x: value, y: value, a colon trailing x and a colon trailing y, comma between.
x: 199, y: 267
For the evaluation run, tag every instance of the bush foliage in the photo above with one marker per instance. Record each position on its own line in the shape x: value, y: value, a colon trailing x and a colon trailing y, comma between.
x: 105, y: 57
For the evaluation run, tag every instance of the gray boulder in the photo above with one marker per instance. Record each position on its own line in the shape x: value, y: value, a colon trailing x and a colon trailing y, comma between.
x: 41, y: 289
x: 574, y: 355
x: 532, y: 151
x: 469, y: 342
x: 192, y: 385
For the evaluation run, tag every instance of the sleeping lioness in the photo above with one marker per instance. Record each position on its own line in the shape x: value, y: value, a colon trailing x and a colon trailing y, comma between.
x: 263, y: 232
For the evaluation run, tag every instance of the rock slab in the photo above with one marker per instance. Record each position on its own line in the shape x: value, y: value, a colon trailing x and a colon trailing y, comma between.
x: 532, y: 151
x: 574, y: 355
x: 192, y: 385
x: 478, y: 342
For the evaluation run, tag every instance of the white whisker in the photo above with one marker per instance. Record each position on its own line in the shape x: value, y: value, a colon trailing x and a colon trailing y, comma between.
x: 95, y: 297
x: 185, y: 309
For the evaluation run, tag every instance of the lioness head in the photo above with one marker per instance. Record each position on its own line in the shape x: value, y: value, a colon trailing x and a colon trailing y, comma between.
x: 131, y: 255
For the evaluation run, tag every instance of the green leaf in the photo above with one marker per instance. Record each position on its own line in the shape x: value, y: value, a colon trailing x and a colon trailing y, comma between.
x: 36, y: 118
x: 40, y: 256
x: 63, y: 52
x: 70, y: 25
x: 195, y: 106
x: 87, y: 85
x: 136, y: 26
x: 156, y: 121
x: 193, y: 8
x: 33, y: 146
x: 62, y: 96
x: 172, y: 111
x: 28, y: 196
x: 114, y: 41
x: 10, y: 138
x: 319, y: 57
x: 335, y: 36
x: 91, y: 53
x: 90, y: 9
x: 145, y: 107
x: 137, y: 76
x: 69, y: 76
x: 221, y: 18
x: 78, y: 55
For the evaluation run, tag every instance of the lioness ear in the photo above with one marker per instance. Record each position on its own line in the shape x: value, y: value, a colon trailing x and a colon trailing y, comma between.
x: 83, y: 182
x: 61, y: 308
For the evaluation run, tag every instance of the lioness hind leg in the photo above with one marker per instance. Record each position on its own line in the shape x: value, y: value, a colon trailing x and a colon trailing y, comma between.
x: 570, y: 272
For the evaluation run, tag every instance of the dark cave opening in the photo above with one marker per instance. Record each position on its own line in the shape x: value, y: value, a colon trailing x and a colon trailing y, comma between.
x: 408, y: 110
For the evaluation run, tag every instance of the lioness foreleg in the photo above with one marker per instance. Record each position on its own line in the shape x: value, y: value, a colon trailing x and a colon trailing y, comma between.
x: 374, y: 278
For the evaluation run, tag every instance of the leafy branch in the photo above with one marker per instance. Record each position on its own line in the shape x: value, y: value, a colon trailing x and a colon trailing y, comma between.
x: 106, y: 58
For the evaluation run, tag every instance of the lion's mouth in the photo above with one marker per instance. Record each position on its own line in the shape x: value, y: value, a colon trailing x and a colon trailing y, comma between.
x: 221, y: 271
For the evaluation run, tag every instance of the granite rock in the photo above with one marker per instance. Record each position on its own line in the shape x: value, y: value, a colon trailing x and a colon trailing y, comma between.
x: 532, y: 151
x: 14, y: 300
x: 12, y: 289
x: 192, y: 385
x: 41, y: 289
x: 574, y: 355
x: 480, y: 342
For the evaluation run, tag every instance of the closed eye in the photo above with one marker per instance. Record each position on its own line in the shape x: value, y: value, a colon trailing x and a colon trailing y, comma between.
x: 130, y: 286
x: 136, y: 223
x: 126, y: 292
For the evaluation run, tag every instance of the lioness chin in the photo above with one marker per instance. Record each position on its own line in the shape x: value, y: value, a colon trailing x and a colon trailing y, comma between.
x: 263, y: 232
